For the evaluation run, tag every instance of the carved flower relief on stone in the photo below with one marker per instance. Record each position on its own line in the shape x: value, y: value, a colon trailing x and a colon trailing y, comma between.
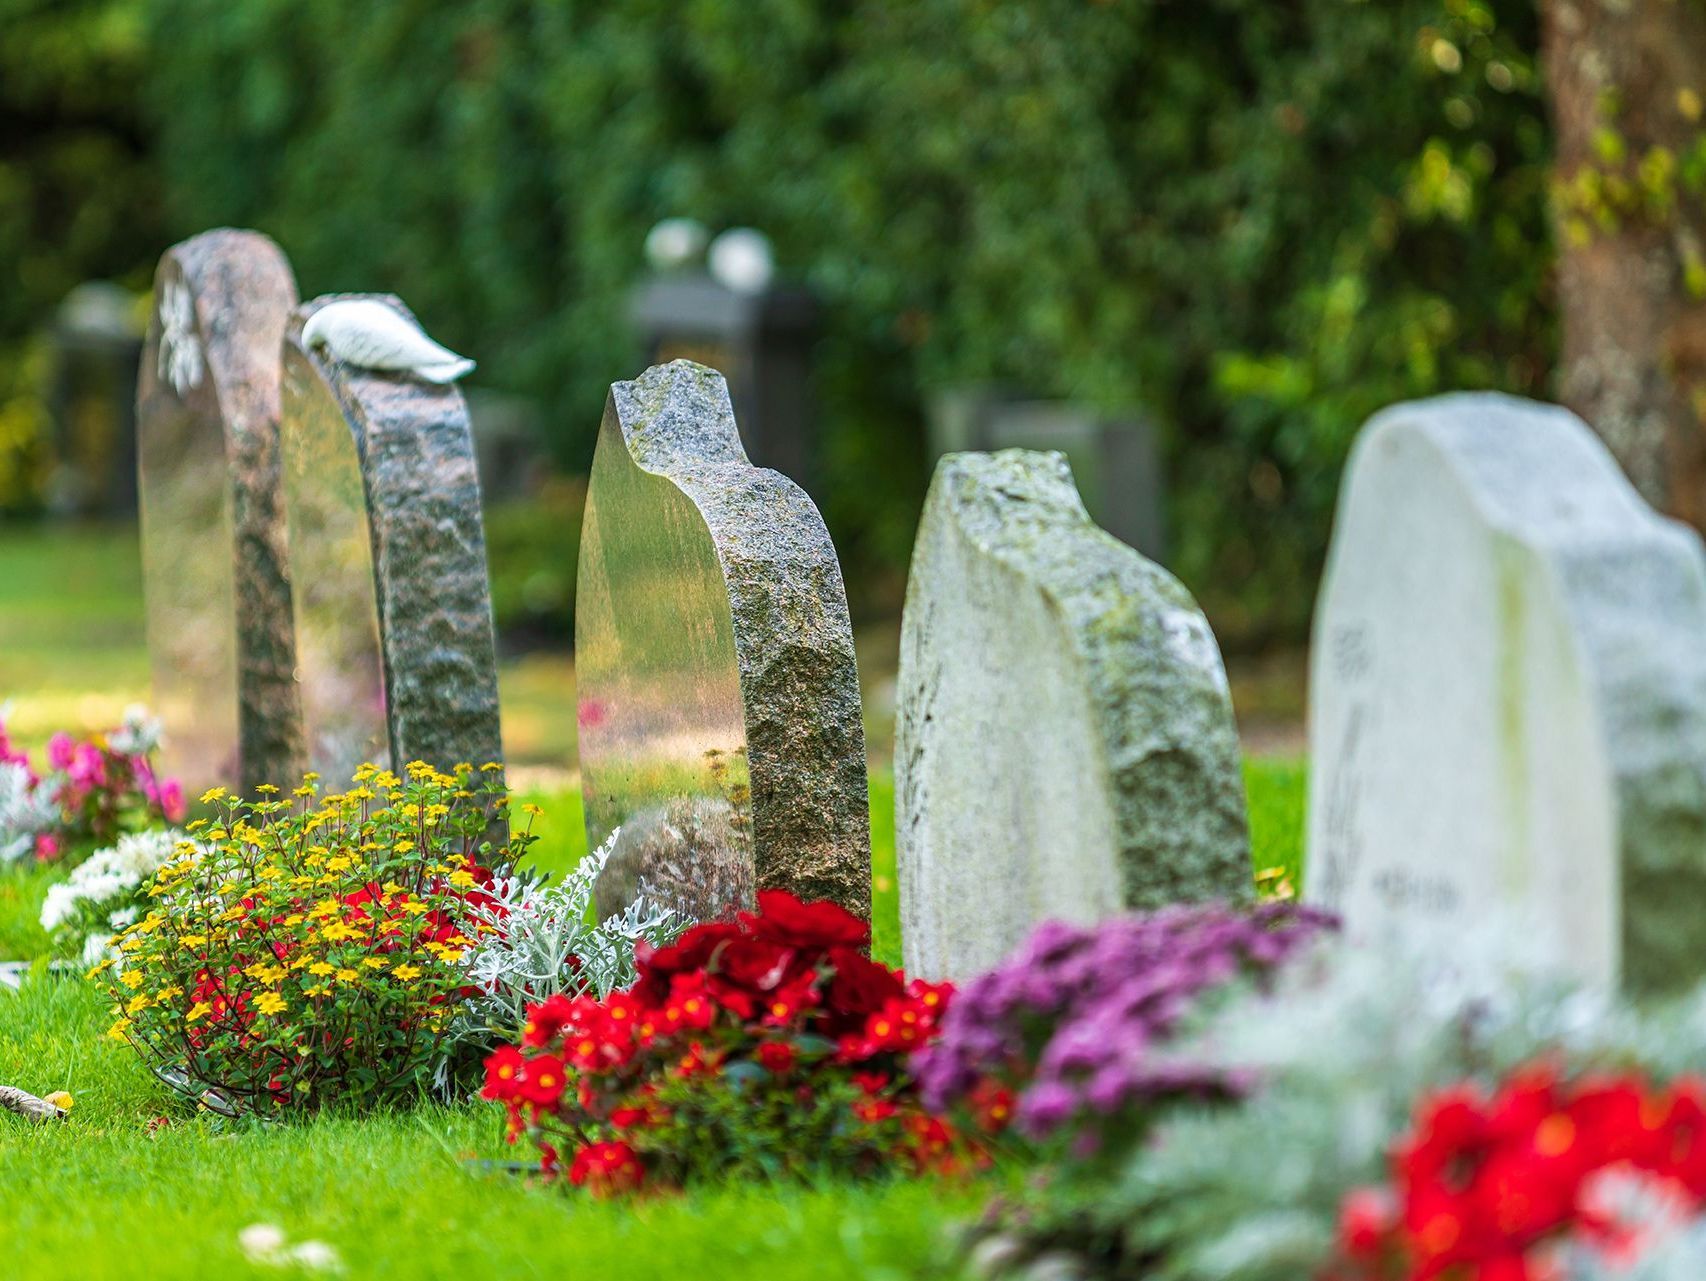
x: 180, y: 346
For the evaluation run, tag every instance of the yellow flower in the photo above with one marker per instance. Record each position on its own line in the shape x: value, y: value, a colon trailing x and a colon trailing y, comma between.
x: 200, y: 1010
x: 347, y: 976
x: 117, y: 1030
x: 212, y: 794
x: 463, y: 880
x: 319, y: 989
x: 414, y: 907
x: 61, y: 1099
x: 266, y: 789
x: 404, y: 847
x: 407, y: 973
x: 269, y: 1003
x: 193, y: 940
x: 321, y: 969
x: 131, y: 979
x: 138, y: 1003
x: 374, y: 962
x: 490, y: 767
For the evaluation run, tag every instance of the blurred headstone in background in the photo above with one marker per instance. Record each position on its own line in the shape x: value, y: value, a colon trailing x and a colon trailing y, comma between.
x: 758, y: 334
x: 213, y: 550
x: 96, y: 344
x: 508, y: 444
x: 1115, y: 458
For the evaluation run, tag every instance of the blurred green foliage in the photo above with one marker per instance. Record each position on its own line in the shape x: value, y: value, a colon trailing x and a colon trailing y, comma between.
x: 533, y: 550
x: 1261, y: 219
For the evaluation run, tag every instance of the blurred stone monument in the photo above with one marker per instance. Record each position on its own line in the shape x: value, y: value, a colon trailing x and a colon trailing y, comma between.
x: 1115, y: 458
x: 393, y: 609
x: 738, y: 320
x: 720, y: 721
x: 1065, y: 747
x: 1508, y: 695
x: 96, y: 349
x: 213, y: 543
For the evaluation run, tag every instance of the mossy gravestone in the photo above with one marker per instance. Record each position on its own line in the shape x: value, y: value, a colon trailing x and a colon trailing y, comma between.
x: 720, y: 724
x: 1508, y: 695
x: 1065, y: 746
x: 388, y: 560
x: 213, y: 539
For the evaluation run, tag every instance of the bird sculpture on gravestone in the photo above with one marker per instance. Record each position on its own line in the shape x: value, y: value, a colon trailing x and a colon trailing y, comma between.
x: 371, y: 335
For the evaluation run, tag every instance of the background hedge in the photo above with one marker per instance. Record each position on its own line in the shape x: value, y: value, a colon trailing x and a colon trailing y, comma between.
x: 1261, y: 219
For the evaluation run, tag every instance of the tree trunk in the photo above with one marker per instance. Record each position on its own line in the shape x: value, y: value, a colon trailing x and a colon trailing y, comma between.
x: 1628, y: 81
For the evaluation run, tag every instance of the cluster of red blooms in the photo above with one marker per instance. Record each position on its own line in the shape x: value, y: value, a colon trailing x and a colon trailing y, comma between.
x: 1492, y: 1188
x: 784, y: 995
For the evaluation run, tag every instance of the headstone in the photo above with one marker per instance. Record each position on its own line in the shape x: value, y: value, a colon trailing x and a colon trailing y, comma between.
x: 213, y: 541
x: 720, y: 721
x: 388, y: 556
x: 1508, y: 695
x: 1065, y: 745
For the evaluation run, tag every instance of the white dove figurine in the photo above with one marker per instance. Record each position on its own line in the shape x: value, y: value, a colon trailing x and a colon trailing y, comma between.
x: 367, y: 333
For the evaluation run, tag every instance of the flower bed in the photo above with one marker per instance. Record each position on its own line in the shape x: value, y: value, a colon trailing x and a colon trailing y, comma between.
x: 767, y: 1046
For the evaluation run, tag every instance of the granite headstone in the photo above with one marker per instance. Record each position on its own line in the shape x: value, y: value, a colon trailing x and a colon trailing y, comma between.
x: 388, y: 556
x: 213, y: 539
x: 1508, y: 695
x: 1065, y: 745
x: 720, y: 722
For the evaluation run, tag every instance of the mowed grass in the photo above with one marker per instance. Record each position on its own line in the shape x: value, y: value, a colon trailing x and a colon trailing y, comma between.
x: 136, y: 1185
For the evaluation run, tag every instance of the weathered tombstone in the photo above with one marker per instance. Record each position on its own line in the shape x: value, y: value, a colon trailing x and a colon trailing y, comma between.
x: 213, y: 542
x: 1508, y: 695
x: 388, y: 558
x: 1065, y: 745
x: 719, y: 703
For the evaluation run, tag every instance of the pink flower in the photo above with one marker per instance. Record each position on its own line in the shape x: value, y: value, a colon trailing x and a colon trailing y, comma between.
x: 172, y: 801
x: 60, y: 750
x: 88, y: 767
x: 47, y: 848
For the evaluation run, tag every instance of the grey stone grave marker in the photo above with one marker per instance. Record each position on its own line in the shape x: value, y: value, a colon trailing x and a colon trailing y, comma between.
x: 1508, y: 695
x: 1065, y: 745
x: 388, y: 558
x: 720, y: 720
x: 213, y: 540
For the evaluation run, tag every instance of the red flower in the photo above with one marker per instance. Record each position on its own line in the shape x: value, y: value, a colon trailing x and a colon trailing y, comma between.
x: 992, y: 1105
x: 1366, y: 1220
x: 605, y: 1169
x: 860, y: 987
x: 503, y: 1073
x: 692, y: 951
x: 782, y: 918
x: 542, y: 1080
x: 776, y: 1057
x: 690, y: 1006
x: 784, y: 1008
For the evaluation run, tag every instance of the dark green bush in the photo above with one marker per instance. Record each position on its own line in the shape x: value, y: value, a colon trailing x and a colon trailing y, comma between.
x: 1261, y: 218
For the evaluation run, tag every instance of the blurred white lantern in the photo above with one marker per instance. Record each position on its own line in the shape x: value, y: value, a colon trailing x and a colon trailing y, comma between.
x: 742, y: 261
x: 676, y: 243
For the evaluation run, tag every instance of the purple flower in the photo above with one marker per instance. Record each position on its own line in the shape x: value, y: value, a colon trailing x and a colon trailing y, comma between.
x: 1077, y: 1019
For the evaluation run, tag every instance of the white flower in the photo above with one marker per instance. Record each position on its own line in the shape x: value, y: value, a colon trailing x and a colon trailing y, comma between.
x: 316, y: 1256
x: 110, y: 877
x: 98, y: 948
x: 261, y: 1242
x: 180, y: 360
x: 138, y: 735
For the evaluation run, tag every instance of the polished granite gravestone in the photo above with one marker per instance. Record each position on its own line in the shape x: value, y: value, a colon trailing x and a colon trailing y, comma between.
x: 1508, y: 696
x: 388, y: 559
x: 213, y: 542
x: 720, y: 724
x: 1065, y: 747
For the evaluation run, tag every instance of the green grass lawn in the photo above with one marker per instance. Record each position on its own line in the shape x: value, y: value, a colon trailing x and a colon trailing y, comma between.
x: 106, y: 1196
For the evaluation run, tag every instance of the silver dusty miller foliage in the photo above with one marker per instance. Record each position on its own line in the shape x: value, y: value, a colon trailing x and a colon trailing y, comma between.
x: 541, y: 939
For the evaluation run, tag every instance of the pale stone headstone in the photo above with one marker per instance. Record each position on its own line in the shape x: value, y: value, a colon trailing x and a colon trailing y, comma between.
x: 1065, y: 745
x: 720, y: 720
x: 388, y: 557
x: 213, y: 542
x: 1508, y: 695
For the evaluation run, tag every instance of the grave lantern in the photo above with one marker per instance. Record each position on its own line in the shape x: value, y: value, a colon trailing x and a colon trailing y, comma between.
x: 759, y: 339
x: 1115, y: 458
x: 96, y: 343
